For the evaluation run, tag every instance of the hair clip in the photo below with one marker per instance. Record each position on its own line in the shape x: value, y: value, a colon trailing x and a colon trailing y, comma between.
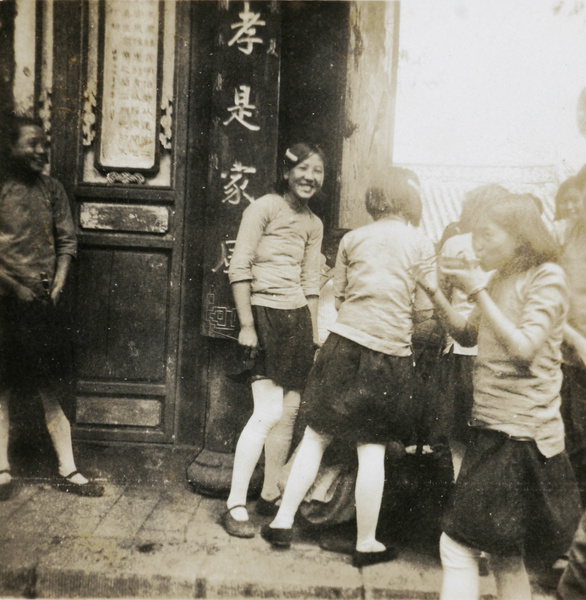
x: 291, y: 156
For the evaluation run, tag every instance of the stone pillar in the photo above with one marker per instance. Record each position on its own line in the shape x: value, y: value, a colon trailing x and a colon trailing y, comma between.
x: 371, y: 82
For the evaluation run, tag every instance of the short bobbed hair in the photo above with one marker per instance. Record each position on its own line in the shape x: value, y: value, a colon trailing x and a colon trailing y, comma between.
x: 293, y: 156
x: 16, y: 123
x: 474, y: 201
x: 397, y: 194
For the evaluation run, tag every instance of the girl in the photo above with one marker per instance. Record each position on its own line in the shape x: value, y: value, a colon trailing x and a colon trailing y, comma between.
x: 516, y: 489
x: 361, y: 385
x: 274, y: 274
x: 568, y: 202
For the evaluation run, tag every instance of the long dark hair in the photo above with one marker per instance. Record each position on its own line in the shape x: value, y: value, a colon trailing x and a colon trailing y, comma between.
x: 293, y: 156
x: 518, y: 215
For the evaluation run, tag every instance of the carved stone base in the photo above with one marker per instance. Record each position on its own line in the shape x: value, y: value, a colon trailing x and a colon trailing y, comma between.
x: 210, y: 474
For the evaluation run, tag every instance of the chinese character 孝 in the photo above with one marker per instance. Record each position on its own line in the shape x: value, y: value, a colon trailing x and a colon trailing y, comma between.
x: 246, y: 30
x: 242, y: 108
x: 234, y: 190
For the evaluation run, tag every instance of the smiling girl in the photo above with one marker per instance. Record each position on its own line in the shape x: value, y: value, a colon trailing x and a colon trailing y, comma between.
x: 274, y: 274
x: 516, y: 490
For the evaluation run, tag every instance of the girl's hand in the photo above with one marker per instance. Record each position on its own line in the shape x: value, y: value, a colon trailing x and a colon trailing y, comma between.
x: 56, y: 292
x: 248, y: 338
x: 467, y: 279
x: 24, y: 294
x: 422, y: 273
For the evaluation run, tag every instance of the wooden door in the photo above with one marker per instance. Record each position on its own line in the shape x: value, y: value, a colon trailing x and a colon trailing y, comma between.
x: 119, y: 93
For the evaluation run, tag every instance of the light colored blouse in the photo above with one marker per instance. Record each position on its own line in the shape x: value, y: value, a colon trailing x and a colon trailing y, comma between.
x: 523, y: 401
x: 373, y: 278
x: 278, y: 250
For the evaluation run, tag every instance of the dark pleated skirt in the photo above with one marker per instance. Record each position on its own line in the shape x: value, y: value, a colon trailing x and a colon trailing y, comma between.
x: 510, y: 500
x: 360, y: 395
x: 286, y: 346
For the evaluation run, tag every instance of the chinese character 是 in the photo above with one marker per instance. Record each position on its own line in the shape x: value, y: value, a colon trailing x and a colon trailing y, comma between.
x: 227, y: 249
x: 245, y: 35
x: 242, y: 108
x: 234, y: 190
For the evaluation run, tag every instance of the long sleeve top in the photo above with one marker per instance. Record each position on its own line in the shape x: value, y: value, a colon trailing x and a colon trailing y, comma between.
x: 523, y: 401
x: 36, y: 227
x: 374, y: 281
x: 278, y: 250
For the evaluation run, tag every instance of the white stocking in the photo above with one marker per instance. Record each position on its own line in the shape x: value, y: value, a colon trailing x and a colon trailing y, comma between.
x: 278, y: 444
x: 512, y: 581
x: 370, y: 481
x: 268, y: 408
x: 60, y: 432
x: 460, y: 565
x: 4, y: 431
x: 303, y: 473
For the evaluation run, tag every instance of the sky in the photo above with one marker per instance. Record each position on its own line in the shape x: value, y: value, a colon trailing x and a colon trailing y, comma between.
x: 490, y: 82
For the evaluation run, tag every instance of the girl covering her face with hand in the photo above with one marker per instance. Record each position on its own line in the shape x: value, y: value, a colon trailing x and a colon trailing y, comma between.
x: 516, y: 490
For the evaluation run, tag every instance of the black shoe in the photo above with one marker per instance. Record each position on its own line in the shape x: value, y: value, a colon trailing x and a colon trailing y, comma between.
x: 364, y: 559
x: 89, y: 489
x: 549, y: 577
x: 277, y: 536
x: 336, y: 543
x: 241, y: 529
x: 6, y: 489
x: 267, y: 508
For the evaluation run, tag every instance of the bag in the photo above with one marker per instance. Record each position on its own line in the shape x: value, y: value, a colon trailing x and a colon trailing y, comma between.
x: 340, y: 507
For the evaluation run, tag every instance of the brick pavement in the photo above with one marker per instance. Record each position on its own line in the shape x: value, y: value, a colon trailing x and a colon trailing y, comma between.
x: 150, y: 536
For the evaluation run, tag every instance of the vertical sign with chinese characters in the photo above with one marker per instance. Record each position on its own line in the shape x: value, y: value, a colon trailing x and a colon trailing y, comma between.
x: 243, y: 142
x: 131, y: 48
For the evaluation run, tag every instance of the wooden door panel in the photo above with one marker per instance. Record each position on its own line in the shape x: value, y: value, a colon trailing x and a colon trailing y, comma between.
x: 93, y: 280
x: 123, y: 311
x: 139, y: 313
